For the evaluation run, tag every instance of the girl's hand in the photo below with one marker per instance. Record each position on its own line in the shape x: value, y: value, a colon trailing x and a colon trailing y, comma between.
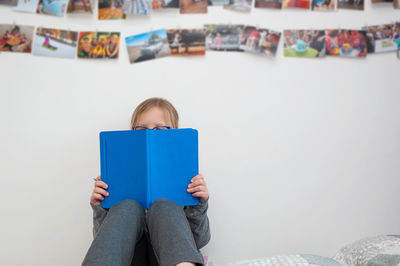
x: 198, y: 187
x: 98, y: 192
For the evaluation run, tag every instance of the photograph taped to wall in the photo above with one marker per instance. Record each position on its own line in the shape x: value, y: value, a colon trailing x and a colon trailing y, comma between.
x: 397, y: 38
x: 29, y: 6
x: 239, y: 5
x: 52, y: 7
x: 259, y: 41
x: 302, y: 4
x: 55, y: 43
x: 381, y: 38
x: 193, y: 6
x: 98, y: 45
x: 323, y: 5
x: 396, y: 4
x: 186, y: 42
x: 111, y: 9
x: 218, y: 2
x: 159, y: 4
x: 8, y: 2
x: 80, y: 7
x: 274, y: 4
x: 304, y: 43
x: 351, y: 4
x: 16, y: 38
x: 147, y: 46
x: 346, y: 43
x: 136, y: 7
x: 381, y: 1
x: 223, y: 37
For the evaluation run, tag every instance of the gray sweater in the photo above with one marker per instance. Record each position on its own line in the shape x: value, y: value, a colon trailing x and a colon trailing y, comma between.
x: 196, y: 216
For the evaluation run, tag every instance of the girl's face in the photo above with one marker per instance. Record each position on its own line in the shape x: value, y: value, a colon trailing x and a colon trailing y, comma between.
x: 154, y: 117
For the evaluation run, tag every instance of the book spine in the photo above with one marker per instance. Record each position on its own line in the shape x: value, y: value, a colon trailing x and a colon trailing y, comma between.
x: 148, y: 170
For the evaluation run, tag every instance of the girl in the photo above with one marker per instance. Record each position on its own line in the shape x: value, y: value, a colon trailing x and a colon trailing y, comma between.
x: 166, y: 234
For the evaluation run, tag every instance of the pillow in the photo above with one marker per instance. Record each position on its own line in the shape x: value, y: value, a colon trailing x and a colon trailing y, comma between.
x: 372, y: 251
x: 290, y: 260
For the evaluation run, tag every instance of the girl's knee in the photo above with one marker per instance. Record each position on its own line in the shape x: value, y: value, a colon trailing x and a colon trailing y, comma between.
x: 129, y: 208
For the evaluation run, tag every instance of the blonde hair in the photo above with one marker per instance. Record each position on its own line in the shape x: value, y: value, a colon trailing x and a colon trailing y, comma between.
x: 165, y: 105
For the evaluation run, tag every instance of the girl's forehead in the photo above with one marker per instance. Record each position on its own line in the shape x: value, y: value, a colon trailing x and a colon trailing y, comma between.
x: 154, y: 115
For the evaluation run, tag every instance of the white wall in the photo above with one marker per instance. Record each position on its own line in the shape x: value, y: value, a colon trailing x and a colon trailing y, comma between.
x: 300, y: 155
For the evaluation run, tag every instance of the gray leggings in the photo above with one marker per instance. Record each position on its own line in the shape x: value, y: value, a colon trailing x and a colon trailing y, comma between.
x: 165, y: 225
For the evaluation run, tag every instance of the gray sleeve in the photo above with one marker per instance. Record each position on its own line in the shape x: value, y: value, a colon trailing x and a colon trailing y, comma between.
x: 198, y: 220
x: 98, y: 217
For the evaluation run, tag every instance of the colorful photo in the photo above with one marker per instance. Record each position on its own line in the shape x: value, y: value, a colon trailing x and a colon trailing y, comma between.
x: 15, y: 38
x: 260, y: 41
x: 136, y: 7
x: 52, y: 7
x: 302, y: 4
x: 147, y: 46
x: 80, y: 7
x: 193, y: 6
x: 397, y: 38
x: 186, y: 42
x: 100, y: 45
x: 304, y: 43
x: 158, y: 4
x: 351, y: 4
x: 346, y: 43
x: 55, y: 43
x: 8, y: 2
x: 223, y: 37
x: 380, y: 38
x: 111, y: 9
x: 277, y: 4
x: 29, y: 6
x: 218, y: 2
x: 239, y: 5
x: 396, y: 4
x: 323, y: 5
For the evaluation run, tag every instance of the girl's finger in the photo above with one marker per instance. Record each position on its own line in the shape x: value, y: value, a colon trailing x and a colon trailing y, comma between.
x: 98, y: 196
x: 100, y: 184
x: 197, y: 177
x: 197, y: 182
x: 200, y: 194
x: 197, y: 188
x: 101, y: 191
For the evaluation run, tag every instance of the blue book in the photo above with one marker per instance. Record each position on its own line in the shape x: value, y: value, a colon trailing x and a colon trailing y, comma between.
x: 146, y: 165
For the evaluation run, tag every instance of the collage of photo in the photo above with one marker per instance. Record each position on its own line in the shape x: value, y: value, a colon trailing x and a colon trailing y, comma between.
x: 120, y: 9
x: 160, y: 43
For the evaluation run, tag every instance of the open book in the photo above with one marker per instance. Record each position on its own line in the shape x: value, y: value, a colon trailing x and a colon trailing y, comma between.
x: 146, y: 165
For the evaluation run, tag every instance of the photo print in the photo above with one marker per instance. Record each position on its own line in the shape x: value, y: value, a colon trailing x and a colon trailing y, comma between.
x: 397, y: 38
x: 193, y: 6
x: 52, y: 7
x: 323, y: 5
x: 218, y: 2
x: 16, y: 38
x: 136, y: 7
x: 382, y: 1
x: 351, y: 4
x: 381, y: 38
x: 304, y: 43
x: 80, y: 7
x: 396, y: 4
x: 221, y: 37
x: 55, y: 43
x: 259, y: 41
x: 147, y: 46
x: 302, y: 4
x: 29, y: 6
x: 185, y: 42
x: 159, y: 4
x: 111, y: 9
x: 8, y: 2
x: 275, y: 4
x: 346, y: 43
x: 99, y: 45
x: 239, y: 5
